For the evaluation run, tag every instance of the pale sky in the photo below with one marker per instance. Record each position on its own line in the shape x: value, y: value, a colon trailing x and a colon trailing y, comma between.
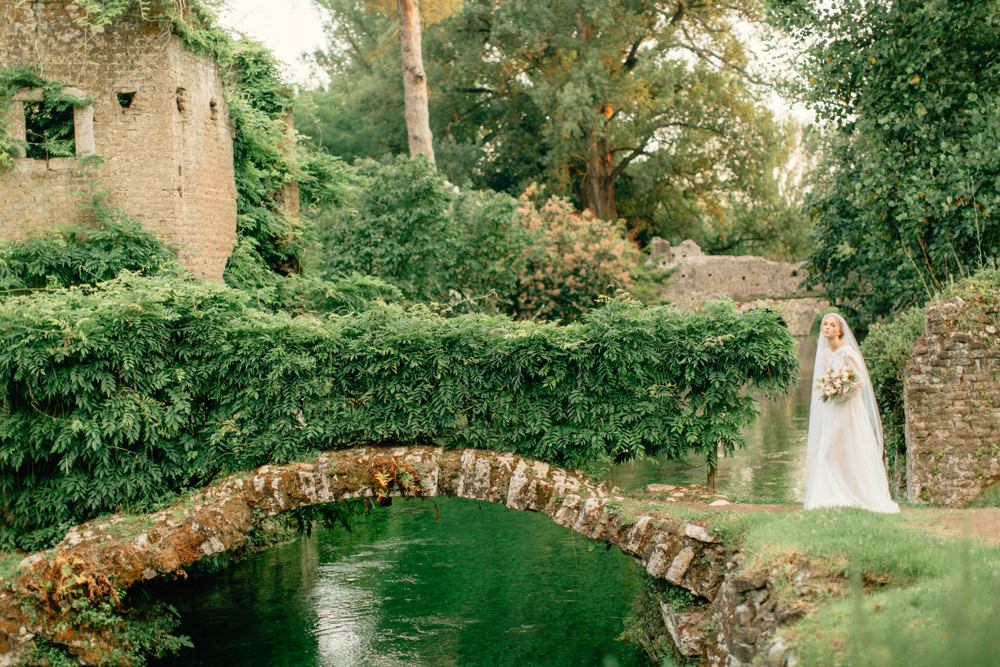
x: 288, y: 27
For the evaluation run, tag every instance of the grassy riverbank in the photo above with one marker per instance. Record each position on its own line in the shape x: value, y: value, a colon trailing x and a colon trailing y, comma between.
x: 914, y: 598
x: 909, y: 589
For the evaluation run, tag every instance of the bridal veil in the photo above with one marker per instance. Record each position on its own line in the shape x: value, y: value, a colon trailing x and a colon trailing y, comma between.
x: 844, y: 456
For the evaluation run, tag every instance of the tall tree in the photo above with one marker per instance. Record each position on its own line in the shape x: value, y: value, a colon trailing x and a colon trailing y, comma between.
x: 367, y: 73
x: 414, y: 80
x: 615, y: 83
x: 909, y: 193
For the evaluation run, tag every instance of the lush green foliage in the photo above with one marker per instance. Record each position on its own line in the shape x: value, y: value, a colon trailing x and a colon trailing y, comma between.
x: 401, y: 228
x: 118, y: 395
x: 644, y: 623
x: 129, y: 635
x: 643, y: 110
x: 909, y: 194
x: 888, y: 348
x: 84, y: 255
x: 80, y: 255
x: 437, y: 242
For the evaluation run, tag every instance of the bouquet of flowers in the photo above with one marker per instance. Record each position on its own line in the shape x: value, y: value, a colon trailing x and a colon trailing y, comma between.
x: 835, y: 385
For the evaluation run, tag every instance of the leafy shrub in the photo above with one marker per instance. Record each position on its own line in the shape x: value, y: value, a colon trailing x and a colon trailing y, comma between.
x: 436, y: 242
x: 580, y: 258
x: 115, y: 396
x: 398, y: 228
x: 493, y: 250
x: 887, y: 350
x: 78, y: 255
x: 294, y: 293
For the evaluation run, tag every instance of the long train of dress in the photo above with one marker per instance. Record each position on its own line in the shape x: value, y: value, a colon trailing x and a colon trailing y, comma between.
x: 844, y: 463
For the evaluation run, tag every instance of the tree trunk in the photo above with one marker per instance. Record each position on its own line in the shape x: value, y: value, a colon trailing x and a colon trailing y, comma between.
x: 713, y: 469
x: 414, y: 80
x: 597, y: 191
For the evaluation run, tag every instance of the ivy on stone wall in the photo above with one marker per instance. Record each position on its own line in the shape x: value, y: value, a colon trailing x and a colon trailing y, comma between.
x: 888, y: 350
x: 266, y: 153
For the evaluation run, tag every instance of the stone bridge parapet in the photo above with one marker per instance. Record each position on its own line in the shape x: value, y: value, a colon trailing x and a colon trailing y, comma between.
x: 752, y: 282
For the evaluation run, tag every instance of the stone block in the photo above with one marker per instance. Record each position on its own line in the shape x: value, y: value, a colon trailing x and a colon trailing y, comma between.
x: 679, y: 566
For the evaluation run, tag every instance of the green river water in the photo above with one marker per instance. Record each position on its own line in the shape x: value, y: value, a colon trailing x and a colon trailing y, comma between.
x: 456, y: 583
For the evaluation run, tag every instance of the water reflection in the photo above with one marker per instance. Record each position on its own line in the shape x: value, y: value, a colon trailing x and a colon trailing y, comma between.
x: 773, y: 464
x: 482, y: 586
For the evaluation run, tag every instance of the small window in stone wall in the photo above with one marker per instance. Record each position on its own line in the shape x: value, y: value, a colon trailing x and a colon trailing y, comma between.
x: 49, y: 130
x: 125, y: 99
x: 213, y: 109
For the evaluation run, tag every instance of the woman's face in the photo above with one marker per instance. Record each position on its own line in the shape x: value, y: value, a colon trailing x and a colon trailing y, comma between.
x: 830, y: 328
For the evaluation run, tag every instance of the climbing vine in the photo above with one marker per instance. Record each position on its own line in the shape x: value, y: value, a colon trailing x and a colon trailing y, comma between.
x: 124, y: 393
x: 57, y: 140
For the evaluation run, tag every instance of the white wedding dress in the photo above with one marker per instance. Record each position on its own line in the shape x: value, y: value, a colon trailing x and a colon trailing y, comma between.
x: 844, y: 456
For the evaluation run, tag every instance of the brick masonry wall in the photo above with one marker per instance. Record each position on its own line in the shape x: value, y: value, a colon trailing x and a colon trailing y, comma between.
x: 166, y: 163
x: 952, y: 404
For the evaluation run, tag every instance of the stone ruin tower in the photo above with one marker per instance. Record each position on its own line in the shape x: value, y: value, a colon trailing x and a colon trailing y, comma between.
x: 158, y: 120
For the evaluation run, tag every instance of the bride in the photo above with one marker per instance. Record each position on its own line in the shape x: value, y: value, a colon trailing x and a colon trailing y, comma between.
x: 844, y: 456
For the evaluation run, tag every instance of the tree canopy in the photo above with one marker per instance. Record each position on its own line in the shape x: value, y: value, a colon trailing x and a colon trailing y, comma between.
x: 909, y: 194
x: 639, y: 109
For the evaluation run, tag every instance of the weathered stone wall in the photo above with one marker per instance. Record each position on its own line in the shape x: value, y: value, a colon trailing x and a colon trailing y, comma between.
x: 167, y: 157
x: 952, y: 404
x: 752, y: 282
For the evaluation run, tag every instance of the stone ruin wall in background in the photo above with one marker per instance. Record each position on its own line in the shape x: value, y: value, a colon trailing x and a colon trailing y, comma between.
x: 752, y: 282
x: 952, y: 403
x: 167, y: 157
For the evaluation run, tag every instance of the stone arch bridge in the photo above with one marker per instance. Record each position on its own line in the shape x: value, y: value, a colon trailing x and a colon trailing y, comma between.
x: 104, y: 556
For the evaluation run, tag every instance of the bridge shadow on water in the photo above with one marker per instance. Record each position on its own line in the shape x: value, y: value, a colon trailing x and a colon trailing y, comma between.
x: 422, y: 583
